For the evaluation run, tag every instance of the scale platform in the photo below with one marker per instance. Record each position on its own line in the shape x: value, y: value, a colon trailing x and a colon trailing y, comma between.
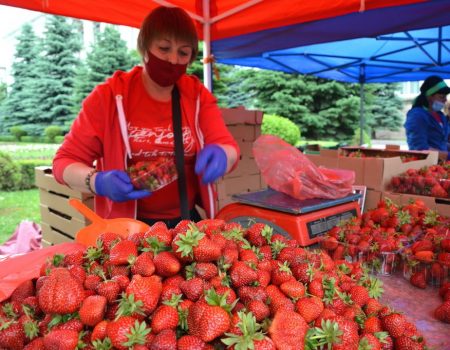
x: 302, y: 220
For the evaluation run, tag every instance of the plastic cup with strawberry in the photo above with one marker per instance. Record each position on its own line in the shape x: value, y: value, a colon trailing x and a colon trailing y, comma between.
x: 154, y: 174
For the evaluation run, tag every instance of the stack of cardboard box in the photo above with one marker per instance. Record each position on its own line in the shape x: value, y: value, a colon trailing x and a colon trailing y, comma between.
x: 374, y: 168
x: 245, y: 126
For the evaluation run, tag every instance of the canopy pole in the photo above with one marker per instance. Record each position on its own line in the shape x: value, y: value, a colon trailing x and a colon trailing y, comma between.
x: 207, y: 77
x: 362, y: 80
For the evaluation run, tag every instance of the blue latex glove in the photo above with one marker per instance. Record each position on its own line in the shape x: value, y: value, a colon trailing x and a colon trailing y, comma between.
x: 116, y: 185
x: 211, y: 162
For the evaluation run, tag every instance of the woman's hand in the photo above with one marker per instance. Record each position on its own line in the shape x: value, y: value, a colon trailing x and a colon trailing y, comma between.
x: 117, y: 186
x: 211, y: 163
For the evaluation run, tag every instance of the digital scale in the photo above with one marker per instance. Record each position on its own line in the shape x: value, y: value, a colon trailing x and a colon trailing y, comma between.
x: 302, y: 220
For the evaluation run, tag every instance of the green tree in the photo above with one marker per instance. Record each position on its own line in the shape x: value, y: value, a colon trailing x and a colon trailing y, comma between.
x: 385, y: 109
x: 108, y: 54
x: 220, y: 77
x: 20, y: 105
x: 57, y: 67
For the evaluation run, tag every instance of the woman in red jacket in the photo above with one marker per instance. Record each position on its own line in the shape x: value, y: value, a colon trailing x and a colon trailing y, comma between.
x: 129, y: 119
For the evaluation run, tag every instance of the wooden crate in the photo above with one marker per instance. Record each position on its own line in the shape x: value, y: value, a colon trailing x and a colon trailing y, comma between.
x: 60, y: 222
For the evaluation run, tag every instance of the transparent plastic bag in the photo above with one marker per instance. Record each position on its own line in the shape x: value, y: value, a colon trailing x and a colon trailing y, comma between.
x: 286, y: 169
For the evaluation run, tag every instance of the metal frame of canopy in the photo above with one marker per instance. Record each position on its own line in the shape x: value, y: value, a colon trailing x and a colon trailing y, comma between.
x: 404, y: 56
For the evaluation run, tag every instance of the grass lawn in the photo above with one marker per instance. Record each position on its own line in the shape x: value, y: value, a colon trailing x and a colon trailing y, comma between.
x: 21, y: 205
x: 15, y: 207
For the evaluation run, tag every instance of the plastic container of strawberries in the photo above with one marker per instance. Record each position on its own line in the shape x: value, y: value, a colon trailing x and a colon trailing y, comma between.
x: 153, y: 175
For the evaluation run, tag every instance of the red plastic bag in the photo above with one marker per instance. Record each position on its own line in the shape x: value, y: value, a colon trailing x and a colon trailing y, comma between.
x: 16, y: 269
x: 286, y: 169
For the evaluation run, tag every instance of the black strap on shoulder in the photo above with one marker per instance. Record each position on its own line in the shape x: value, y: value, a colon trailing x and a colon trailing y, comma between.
x: 179, y: 153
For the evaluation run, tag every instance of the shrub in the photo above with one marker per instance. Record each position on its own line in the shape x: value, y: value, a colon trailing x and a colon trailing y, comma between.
x: 52, y: 131
x: 281, y: 127
x: 7, y: 138
x: 357, y: 137
x: 27, y: 171
x: 10, y: 174
x: 59, y: 139
x: 17, y: 132
x: 30, y: 139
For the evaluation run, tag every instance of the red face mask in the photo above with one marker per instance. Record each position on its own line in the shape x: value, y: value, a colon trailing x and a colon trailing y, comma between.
x: 163, y: 72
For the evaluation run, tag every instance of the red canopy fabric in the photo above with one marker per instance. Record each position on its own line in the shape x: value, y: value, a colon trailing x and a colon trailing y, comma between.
x: 239, y: 16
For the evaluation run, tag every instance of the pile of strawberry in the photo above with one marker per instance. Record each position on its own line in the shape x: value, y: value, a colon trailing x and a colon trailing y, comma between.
x: 428, y: 181
x: 210, y: 285
x: 387, y: 229
x: 152, y: 175
x: 427, y: 261
x: 361, y: 154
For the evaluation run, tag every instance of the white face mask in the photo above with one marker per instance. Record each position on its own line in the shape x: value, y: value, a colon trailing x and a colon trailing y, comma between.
x: 437, y: 106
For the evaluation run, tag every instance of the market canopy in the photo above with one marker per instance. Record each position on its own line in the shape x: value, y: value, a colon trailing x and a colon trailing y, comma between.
x: 402, y: 56
x: 241, y: 19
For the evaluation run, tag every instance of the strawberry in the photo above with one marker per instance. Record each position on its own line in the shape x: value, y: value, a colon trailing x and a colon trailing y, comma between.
x: 241, y: 274
x: 394, y: 324
x: 107, y: 239
x: 205, y: 271
x: 214, y: 322
x: 407, y: 343
x: 293, y: 289
x: 444, y: 258
x: 369, y: 341
x: 99, y: 331
x: 126, y: 331
x: 445, y: 245
x: 309, y: 308
x: 422, y: 245
x: 442, y: 312
x: 61, y: 339
x: 146, y: 289
x: 190, y: 342
x: 349, y: 328
x: 61, y: 293
x: 143, y: 265
x: 161, y: 232
x: 359, y: 295
x: 110, y: 289
x: 166, y: 339
x: 122, y: 251
x: 288, y: 330
x: 12, y: 335
x: 281, y: 274
x: 210, y: 226
x: 192, y: 288
x: 372, y: 324
x: 35, y: 344
x: 166, y: 264
x: 207, y: 250
x: 24, y: 290
x: 92, y: 310
x: 258, y: 234
x: 418, y: 279
x: 259, y: 309
x: 164, y: 317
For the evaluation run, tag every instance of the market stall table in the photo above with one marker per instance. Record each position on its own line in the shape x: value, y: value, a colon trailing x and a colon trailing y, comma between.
x: 418, y: 305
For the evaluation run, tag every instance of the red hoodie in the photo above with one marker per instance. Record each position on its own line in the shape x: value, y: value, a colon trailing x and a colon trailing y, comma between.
x: 100, y: 133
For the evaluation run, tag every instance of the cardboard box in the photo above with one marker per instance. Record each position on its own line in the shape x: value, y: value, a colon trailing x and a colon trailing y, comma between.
x: 227, y: 187
x: 373, y: 197
x: 60, y: 222
x: 246, y: 166
x: 377, y: 168
x: 245, y: 133
x: 240, y: 115
x: 441, y: 205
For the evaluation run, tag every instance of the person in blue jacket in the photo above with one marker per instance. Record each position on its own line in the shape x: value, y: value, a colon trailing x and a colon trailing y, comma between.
x: 427, y: 128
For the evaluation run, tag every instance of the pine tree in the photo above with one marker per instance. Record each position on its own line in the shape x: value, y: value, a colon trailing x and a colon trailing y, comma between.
x: 56, y: 67
x: 108, y: 54
x: 20, y: 105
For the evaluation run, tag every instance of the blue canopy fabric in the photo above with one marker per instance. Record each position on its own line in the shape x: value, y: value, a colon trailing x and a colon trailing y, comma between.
x: 368, y: 54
